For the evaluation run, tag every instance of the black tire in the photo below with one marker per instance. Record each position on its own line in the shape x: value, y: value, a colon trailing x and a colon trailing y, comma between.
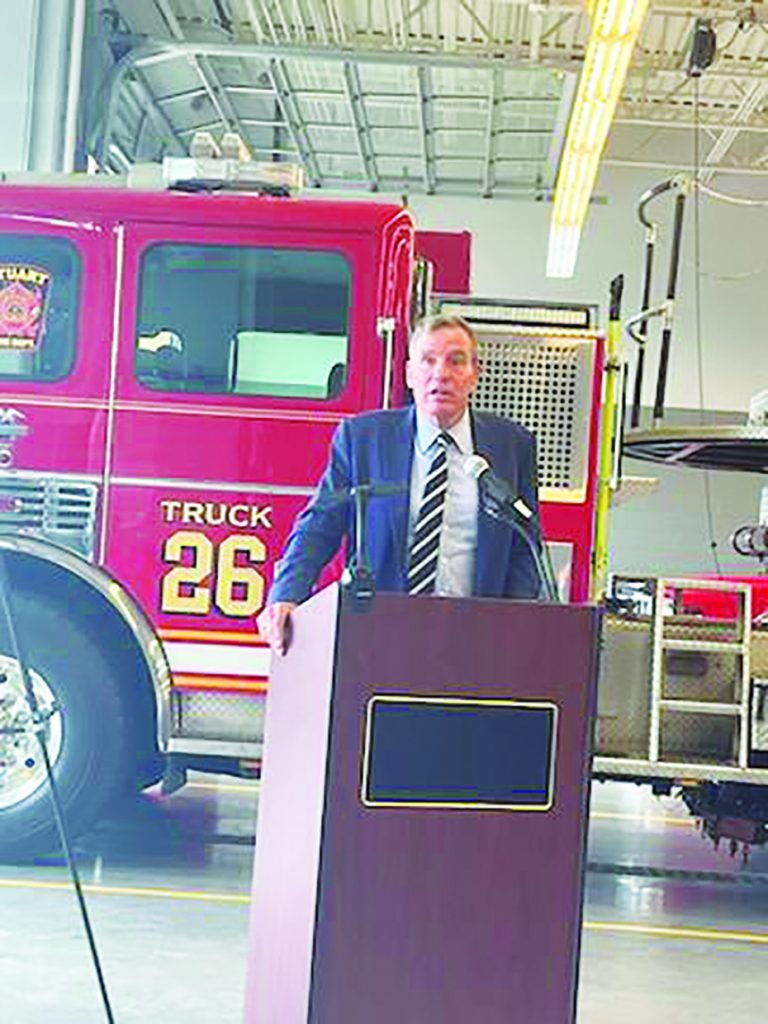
x: 89, y: 766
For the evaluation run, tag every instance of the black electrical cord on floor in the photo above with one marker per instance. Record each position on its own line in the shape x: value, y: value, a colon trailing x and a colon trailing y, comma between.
x: 38, y: 725
x: 697, y: 310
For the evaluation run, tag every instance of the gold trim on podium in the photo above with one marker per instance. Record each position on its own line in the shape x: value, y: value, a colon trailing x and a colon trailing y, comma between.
x: 463, y: 805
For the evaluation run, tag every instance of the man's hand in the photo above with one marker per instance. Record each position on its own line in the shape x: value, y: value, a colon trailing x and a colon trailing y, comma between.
x: 274, y: 625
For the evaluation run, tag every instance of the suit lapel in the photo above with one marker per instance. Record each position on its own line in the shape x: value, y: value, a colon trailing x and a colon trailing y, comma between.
x: 493, y: 539
x: 397, y: 463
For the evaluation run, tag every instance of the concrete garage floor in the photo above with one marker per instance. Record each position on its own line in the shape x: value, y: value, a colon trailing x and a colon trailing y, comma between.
x: 168, y: 882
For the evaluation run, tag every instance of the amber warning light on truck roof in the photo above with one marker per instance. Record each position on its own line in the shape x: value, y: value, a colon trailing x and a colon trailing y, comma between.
x: 229, y: 168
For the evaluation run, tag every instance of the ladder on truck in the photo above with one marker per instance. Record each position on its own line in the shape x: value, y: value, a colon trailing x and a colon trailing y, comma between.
x: 666, y: 638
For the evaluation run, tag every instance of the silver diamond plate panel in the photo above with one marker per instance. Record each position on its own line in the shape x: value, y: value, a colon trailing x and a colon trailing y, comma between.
x: 760, y: 714
x: 710, y: 739
x: 705, y: 676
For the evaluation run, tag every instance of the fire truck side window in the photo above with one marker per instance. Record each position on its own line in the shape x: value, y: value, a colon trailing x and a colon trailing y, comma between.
x: 243, y: 320
x: 39, y: 293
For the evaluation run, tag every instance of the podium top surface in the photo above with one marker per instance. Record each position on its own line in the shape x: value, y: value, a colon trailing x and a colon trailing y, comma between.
x: 742, y: 448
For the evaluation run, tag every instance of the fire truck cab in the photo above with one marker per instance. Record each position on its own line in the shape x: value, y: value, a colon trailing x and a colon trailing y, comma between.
x: 172, y: 367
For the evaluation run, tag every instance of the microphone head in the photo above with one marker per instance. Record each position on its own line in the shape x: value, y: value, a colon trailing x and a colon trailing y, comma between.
x: 475, y: 465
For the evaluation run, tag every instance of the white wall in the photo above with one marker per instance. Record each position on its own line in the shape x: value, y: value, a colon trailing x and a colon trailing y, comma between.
x: 509, y: 255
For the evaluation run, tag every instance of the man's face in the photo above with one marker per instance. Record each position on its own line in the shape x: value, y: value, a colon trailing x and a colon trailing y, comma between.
x: 442, y: 373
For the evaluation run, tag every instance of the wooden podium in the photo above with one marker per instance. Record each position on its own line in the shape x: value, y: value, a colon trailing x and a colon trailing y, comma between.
x: 420, y: 842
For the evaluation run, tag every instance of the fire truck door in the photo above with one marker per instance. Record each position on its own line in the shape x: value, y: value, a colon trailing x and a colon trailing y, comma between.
x: 239, y: 354
x: 55, y: 329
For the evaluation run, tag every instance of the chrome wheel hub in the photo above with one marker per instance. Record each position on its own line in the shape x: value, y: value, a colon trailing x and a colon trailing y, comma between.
x: 22, y: 768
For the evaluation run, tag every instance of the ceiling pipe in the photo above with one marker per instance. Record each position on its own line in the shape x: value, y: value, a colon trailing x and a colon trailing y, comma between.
x: 76, y: 45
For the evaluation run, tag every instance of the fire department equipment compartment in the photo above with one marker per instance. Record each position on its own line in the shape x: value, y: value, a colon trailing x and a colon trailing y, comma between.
x: 681, y: 688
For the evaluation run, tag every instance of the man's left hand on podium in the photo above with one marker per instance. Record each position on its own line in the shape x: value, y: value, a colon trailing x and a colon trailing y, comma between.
x: 274, y: 625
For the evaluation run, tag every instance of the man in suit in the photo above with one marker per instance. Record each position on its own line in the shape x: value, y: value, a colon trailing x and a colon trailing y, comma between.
x: 430, y: 534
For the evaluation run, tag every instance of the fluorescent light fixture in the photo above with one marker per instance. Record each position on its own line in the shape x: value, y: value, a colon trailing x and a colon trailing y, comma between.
x: 616, y: 25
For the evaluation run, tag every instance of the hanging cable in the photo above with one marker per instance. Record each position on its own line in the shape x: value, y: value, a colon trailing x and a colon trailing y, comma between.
x: 726, y: 198
x: 697, y: 310
x: 38, y: 721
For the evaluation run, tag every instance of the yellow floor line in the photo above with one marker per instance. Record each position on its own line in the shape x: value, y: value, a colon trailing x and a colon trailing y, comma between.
x: 669, y: 932
x: 655, y: 819
x: 128, y: 890
x: 241, y: 899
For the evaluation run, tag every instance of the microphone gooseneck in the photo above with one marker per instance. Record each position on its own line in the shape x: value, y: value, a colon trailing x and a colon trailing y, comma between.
x: 501, y: 502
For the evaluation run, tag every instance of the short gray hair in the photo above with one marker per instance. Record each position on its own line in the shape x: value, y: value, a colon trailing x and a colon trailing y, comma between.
x: 438, y: 321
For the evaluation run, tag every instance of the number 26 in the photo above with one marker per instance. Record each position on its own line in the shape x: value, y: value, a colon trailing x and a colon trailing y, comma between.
x: 187, y: 589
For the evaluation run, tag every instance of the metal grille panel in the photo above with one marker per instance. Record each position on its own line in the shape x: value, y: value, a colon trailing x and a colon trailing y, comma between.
x: 545, y: 383
x: 218, y: 716
x: 62, y: 511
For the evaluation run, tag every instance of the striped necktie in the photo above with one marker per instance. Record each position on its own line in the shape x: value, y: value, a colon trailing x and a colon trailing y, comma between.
x: 422, y: 561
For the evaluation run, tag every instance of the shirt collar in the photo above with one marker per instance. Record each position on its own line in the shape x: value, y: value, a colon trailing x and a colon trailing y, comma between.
x: 427, y: 432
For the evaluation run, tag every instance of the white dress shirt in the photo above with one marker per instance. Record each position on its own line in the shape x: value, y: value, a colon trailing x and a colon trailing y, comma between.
x: 458, y: 535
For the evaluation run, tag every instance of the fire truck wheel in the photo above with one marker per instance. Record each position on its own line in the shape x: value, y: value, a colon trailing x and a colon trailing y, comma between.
x: 81, y: 723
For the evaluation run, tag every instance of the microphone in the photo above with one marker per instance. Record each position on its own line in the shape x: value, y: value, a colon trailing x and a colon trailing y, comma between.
x: 502, y: 503
x: 494, y: 487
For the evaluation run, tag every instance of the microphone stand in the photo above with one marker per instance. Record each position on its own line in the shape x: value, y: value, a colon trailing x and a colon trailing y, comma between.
x: 358, y: 579
x: 505, y: 513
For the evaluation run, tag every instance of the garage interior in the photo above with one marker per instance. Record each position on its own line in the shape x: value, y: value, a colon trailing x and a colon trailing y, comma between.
x: 460, y: 109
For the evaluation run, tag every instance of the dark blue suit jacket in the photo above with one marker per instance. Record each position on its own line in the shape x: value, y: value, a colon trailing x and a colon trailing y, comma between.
x: 378, y: 448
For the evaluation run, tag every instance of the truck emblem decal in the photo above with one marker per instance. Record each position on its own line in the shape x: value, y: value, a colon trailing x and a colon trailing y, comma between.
x: 23, y: 293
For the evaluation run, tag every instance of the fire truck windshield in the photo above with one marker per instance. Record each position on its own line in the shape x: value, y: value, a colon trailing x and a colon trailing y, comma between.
x: 243, y: 320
